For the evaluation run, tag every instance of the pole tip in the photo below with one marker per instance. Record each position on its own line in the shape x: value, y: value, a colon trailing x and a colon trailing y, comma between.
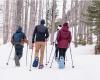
x: 45, y: 64
x: 50, y: 66
x: 6, y: 63
x: 30, y: 70
x: 73, y: 66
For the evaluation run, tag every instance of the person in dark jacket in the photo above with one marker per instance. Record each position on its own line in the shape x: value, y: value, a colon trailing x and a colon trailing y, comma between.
x: 64, y: 38
x: 18, y: 45
x: 40, y: 36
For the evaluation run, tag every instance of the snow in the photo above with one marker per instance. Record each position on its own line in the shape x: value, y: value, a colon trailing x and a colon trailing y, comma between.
x: 87, y: 65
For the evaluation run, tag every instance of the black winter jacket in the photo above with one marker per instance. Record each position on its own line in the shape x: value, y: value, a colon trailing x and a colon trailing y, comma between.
x: 40, y: 33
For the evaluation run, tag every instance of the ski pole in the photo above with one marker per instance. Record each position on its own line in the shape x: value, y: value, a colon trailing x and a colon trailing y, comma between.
x: 31, y: 60
x: 71, y: 57
x: 50, y: 53
x: 26, y: 54
x: 9, y: 55
x: 52, y: 62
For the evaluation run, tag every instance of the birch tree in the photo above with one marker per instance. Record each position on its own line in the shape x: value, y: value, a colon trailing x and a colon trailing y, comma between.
x: 6, y: 23
x: 32, y: 21
x: 64, y: 11
x: 53, y: 20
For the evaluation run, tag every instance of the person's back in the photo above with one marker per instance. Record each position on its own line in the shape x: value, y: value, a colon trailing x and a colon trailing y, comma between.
x: 40, y: 36
x: 18, y: 40
x: 63, y: 39
x: 18, y: 37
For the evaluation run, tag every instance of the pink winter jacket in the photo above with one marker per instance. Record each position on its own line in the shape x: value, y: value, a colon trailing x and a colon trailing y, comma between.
x: 64, y: 37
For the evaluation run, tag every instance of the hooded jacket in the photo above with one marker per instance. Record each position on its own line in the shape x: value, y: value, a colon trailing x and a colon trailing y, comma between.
x: 64, y: 36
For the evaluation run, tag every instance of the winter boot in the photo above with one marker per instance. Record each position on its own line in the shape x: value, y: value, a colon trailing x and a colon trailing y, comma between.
x: 41, y: 66
x: 61, y: 63
x: 35, y: 63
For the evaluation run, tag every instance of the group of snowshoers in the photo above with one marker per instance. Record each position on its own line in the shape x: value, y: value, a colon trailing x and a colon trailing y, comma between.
x: 40, y: 36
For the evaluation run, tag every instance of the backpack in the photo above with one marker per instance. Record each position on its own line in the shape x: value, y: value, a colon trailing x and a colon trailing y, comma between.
x: 41, y: 29
x: 41, y: 32
x: 61, y: 63
x: 17, y: 38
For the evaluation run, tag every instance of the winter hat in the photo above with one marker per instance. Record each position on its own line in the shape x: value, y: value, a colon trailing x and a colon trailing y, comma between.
x: 19, y: 29
x: 42, y: 21
x: 59, y: 27
x: 65, y: 24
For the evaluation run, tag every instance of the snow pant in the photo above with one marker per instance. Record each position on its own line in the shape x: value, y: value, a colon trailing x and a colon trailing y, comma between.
x: 62, y: 52
x: 18, y: 53
x: 40, y: 46
x: 56, y: 51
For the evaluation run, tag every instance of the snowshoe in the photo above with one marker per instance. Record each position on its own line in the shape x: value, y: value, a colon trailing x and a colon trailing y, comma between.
x: 35, y: 63
x: 41, y: 66
x: 61, y: 63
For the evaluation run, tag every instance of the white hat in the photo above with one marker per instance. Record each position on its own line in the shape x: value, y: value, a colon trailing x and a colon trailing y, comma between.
x: 59, y: 27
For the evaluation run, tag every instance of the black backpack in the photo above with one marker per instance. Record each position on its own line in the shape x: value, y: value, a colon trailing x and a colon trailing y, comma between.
x: 17, y: 37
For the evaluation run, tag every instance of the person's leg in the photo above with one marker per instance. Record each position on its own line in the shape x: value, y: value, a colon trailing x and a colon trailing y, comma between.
x: 37, y: 47
x: 60, y: 52
x: 64, y: 52
x: 56, y: 51
x: 36, y: 58
x: 18, y: 53
x: 42, y: 52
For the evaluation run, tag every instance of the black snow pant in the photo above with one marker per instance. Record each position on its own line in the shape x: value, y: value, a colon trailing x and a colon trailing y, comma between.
x: 19, y: 50
x: 62, y: 52
x: 56, y: 51
x: 18, y: 53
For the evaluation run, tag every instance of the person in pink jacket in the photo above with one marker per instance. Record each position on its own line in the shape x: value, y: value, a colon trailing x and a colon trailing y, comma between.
x: 63, y: 38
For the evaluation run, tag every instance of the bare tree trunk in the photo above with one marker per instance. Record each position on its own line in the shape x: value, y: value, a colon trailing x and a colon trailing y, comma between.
x: 47, y: 9
x: 40, y: 11
x: 71, y: 22
x: 53, y: 21
x: 97, y: 47
x: 26, y: 17
x: 19, y: 12
x: 75, y: 22
x: 64, y: 11
x: 14, y: 16
x: 6, y: 23
x: 32, y: 22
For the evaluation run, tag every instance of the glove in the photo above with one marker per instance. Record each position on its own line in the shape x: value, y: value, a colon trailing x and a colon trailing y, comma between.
x: 33, y: 45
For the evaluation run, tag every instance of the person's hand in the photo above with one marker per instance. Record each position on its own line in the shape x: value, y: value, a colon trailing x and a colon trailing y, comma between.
x: 33, y: 44
x: 52, y: 43
x: 27, y: 42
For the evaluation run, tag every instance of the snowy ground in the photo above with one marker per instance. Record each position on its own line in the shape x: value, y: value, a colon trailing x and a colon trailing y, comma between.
x: 87, y: 66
